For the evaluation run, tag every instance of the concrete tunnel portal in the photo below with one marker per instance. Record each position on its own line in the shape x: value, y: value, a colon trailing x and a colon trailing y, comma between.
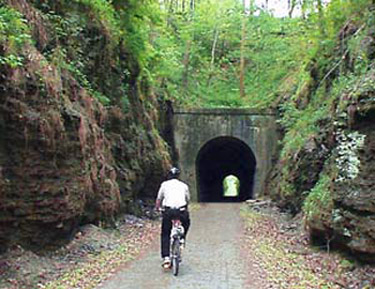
x: 219, y: 158
x: 211, y: 144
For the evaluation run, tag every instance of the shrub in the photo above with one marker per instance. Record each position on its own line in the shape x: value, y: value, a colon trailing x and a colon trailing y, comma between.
x: 14, y: 33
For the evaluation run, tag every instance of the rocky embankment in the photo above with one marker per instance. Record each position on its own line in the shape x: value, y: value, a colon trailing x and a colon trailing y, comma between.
x: 331, y: 175
x: 65, y: 158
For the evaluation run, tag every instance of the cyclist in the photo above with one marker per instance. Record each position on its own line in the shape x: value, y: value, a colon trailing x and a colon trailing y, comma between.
x: 172, y: 194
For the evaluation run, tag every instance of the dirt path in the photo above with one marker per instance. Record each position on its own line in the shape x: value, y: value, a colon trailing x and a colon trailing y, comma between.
x: 212, y: 258
x: 239, y: 246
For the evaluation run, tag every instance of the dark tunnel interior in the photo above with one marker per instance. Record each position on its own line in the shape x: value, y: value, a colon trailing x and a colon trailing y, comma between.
x: 219, y: 158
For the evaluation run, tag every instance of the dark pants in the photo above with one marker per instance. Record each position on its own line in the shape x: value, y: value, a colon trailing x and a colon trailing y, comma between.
x: 166, y: 227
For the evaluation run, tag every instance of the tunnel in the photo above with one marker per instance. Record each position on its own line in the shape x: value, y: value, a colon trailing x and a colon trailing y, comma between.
x: 219, y: 158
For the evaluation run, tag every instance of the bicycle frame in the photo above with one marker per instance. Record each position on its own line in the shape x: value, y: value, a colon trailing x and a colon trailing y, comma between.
x: 177, y: 233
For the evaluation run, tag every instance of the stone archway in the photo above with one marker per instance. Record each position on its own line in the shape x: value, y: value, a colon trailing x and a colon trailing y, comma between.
x: 219, y: 158
x: 249, y: 133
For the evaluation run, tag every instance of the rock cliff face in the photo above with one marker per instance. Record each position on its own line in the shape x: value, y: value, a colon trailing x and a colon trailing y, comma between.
x: 350, y: 221
x: 66, y: 159
x: 331, y: 175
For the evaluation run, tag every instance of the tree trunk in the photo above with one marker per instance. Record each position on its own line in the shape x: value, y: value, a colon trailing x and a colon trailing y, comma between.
x: 192, y: 5
x: 303, y: 8
x: 242, y: 50
x: 185, y: 75
x: 186, y: 60
x: 213, y: 51
x: 169, y: 7
x: 321, y: 17
x: 291, y: 6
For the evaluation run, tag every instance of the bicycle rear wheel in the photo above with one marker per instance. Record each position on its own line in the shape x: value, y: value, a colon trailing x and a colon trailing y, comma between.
x: 176, y: 256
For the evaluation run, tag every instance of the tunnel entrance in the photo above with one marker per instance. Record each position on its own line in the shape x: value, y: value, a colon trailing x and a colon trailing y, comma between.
x: 219, y: 158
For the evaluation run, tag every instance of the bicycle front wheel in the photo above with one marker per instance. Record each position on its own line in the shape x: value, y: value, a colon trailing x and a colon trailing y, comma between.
x: 176, y: 255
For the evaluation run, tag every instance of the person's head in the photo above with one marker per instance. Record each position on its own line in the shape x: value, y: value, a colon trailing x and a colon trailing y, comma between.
x: 173, y: 173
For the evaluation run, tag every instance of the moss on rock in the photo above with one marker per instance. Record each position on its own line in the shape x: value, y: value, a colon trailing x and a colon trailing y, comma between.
x: 65, y: 158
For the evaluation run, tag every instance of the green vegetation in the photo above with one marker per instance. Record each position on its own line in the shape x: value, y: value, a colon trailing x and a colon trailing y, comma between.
x: 220, y: 54
x: 319, y: 199
x: 336, y: 72
x: 14, y: 33
x: 198, y: 54
x: 103, y: 44
x: 191, y: 54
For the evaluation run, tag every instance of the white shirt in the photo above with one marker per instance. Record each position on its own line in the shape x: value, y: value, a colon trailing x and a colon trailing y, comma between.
x: 174, y: 194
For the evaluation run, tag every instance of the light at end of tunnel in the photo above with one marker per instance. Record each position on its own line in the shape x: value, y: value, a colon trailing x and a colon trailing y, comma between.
x: 231, y: 186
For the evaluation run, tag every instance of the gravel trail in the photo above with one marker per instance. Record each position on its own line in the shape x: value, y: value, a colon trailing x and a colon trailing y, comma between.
x: 212, y: 258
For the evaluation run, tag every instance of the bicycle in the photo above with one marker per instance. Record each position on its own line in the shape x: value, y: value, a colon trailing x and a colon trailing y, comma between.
x: 177, y: 234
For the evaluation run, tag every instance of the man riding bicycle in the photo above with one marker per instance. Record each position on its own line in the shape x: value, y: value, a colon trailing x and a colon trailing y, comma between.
x: 172, y: 194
